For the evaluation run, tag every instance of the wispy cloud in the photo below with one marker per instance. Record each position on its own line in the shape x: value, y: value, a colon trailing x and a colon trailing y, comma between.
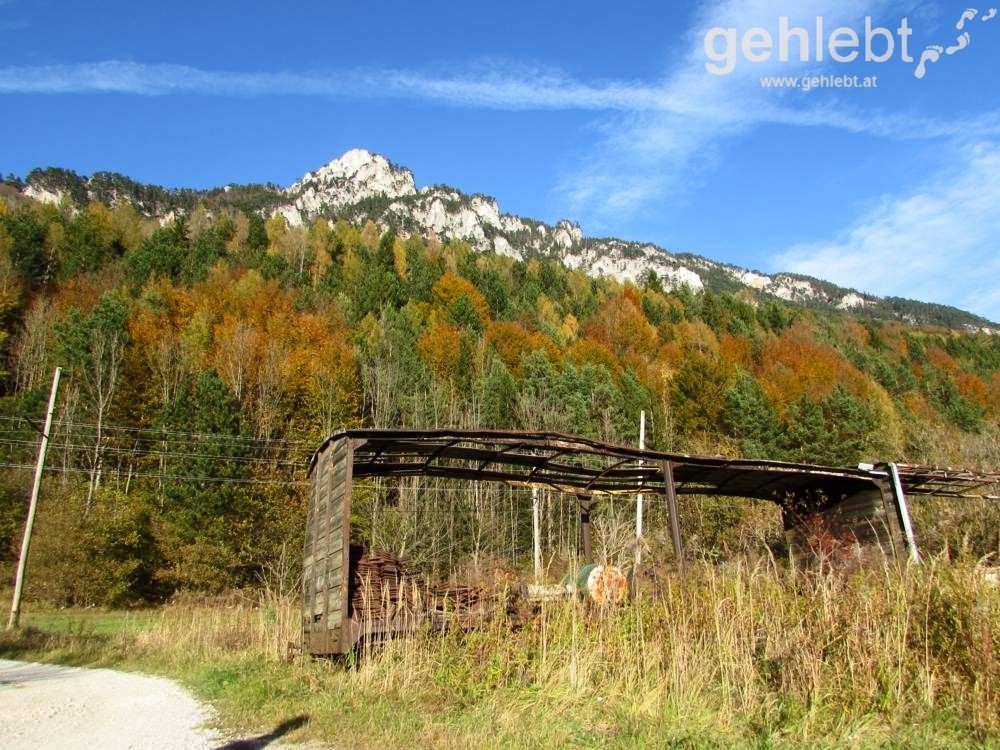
x: 496, y: 84
x: 523, y: 89
x: 713, y: 106
x: 650, y: 155
x: 924, y: 244
x: 117, y: 77
x: 654, y: 138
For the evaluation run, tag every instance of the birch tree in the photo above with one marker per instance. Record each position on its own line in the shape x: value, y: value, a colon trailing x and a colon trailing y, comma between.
x: 93, y: 348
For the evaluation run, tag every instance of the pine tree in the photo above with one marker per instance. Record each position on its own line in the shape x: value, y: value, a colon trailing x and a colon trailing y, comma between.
x: 750, y: 417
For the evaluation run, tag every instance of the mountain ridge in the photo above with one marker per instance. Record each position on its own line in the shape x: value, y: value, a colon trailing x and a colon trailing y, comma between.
x: 361, y: 185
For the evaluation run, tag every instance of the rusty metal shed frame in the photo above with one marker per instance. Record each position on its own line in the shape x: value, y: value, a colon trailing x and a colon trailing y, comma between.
x: 578, y: 465
x: 573, y: 464
x: 586, y: 468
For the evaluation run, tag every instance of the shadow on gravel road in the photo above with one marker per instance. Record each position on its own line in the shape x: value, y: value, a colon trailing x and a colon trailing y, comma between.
x: 255, y: 743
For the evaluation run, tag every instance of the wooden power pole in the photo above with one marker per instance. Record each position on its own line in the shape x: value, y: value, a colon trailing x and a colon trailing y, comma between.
x: 15, y: 606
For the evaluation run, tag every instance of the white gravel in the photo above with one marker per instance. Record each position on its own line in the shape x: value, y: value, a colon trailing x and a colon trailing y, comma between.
x: 57, y: 708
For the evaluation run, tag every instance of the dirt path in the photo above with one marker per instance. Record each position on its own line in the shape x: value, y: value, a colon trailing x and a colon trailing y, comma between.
x: 44, y: 706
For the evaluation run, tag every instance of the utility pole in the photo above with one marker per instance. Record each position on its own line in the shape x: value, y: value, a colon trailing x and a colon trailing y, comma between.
x: 15, y: 606
x: 639, y: 498
x: 536, y: 534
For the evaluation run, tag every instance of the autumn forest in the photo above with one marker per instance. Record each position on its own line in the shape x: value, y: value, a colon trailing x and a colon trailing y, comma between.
x: 204, y: 357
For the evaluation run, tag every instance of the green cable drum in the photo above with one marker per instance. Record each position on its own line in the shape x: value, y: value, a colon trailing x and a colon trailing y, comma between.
x: 582, y: 575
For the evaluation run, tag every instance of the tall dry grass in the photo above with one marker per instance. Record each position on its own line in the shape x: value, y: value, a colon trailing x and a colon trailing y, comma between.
x: 729, y: 655
x: 264, y: 624
x: 740, y: 650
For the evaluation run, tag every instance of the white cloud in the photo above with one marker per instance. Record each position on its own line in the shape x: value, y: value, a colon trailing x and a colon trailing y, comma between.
x: 525, y: 89
x: 651, y: 154
x: 937, y: 244
x: 655, y: 138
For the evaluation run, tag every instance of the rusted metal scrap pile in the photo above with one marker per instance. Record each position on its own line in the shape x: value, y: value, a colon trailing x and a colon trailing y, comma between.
x: 384, y: 586
x: 452, y: 597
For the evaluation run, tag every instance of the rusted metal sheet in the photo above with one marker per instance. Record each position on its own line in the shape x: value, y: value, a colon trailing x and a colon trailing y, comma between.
x: 672, y: 508
x: 854, y: 530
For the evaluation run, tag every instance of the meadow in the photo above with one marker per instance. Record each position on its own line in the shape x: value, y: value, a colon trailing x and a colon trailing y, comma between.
x: 735, y: 654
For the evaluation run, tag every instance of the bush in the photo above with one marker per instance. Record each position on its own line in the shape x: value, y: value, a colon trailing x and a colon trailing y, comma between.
x: 107, y: 557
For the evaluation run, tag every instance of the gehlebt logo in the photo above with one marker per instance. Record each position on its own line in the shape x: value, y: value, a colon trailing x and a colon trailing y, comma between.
x: 843, y: 44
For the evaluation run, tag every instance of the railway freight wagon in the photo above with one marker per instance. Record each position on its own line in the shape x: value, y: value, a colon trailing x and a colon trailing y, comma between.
x: 351, y: 593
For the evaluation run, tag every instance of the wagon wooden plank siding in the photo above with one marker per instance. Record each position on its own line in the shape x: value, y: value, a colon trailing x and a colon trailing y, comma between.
x: 326, y: 554
x: 825, y: 510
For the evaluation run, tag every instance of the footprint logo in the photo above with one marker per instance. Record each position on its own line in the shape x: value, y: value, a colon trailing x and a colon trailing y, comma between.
x: 931, y: 55
x: 933, y: 52
x: 963, y: 41
x: 969, y: 14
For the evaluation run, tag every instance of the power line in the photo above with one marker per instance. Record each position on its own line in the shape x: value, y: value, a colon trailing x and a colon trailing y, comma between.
x: 149, y: 475
x: 137, y: 453
x: 515, y: 494
x: 156, y: 432
x: 160, y: 432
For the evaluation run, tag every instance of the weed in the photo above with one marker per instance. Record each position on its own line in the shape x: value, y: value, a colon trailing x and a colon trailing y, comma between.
x: 733, y: 655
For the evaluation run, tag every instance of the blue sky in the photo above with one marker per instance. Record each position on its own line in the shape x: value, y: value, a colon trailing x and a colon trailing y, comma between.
x: 605, y: 114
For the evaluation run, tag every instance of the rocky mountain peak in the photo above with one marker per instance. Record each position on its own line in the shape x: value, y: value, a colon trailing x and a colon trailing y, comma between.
x: 367, y: 172
x: 343, y: 186
x: 361, y: 186
x: 353, y: 177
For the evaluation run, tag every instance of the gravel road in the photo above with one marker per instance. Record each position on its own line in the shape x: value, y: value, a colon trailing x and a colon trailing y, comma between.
x: 52, y: 708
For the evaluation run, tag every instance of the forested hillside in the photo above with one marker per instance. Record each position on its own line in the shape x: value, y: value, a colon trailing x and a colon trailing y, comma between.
x: 360, y: 186
x: 205, y: 357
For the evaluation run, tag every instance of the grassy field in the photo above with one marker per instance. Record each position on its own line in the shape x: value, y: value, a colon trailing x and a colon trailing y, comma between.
x: 735, y: 656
